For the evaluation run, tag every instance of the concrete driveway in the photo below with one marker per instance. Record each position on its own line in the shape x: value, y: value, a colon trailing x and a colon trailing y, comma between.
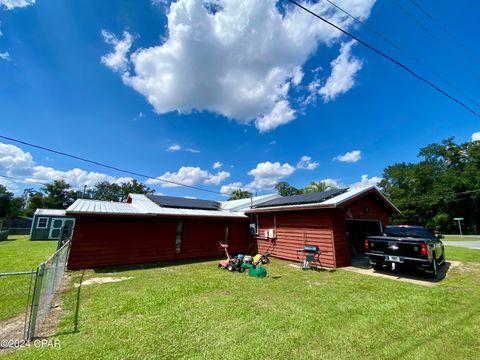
x: 464, y: 244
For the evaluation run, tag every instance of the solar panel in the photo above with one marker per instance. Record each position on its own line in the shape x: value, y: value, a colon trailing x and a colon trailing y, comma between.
x: 303, y: 199
x: 184, y: 203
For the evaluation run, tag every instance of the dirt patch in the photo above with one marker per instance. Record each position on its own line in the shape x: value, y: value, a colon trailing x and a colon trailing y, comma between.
x: 103, y: 280
x: 11, y: 332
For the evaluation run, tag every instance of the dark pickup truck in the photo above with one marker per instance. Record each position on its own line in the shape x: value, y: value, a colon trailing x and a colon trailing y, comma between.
x: 406, y: 245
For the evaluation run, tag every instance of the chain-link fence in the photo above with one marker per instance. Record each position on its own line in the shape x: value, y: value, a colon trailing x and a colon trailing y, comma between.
x: 49, y: 276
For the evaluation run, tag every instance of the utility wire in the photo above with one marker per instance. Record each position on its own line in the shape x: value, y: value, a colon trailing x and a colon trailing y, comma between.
x: 107, y: 166
x: 436, y: 39
x: 404, y: 52
x: 459, y: 102
x: 444, y: 29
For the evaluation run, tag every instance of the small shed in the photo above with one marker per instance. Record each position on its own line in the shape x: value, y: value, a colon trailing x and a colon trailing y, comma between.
x: 152, y: 228
x: 47, y: 224
x: 337, y: 221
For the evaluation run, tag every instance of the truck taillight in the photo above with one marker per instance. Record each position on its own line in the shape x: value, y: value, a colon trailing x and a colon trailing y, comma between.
x: 366, y: 244
x: 424, y: 250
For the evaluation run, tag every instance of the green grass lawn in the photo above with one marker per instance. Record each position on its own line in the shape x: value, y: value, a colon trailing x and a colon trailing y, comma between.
x: 19, y: 254
x: 185, y: 311
x: 465, y: 237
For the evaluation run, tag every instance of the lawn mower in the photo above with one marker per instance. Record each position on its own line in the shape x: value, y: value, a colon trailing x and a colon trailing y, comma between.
x: 243, y: 262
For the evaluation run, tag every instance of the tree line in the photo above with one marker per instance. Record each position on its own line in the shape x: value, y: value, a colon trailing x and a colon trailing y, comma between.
x: 60, y: 195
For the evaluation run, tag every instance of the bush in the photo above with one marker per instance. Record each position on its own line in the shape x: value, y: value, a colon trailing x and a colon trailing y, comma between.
x: 441, y: 223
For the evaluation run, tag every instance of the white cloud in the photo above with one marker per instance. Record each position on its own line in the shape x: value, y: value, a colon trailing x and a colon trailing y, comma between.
x: 218, y: 178
x: 12, y: 4
x: 217, y: 165
x: 4, y: 55
x: 117, y: 60
x: 191, y: 176
x: 366, y: 181
x: 239, y: 60
x: 174, y: 147
x: 229, y: 188
x: 281, y: 114
x: 333, y: 183
x: 177, y: 147
x: 351, y: 156
x: 476, y: 136
x: 18, y: 163
x: 342, y: 77
x: 267, y: 174
x: 306, y: 163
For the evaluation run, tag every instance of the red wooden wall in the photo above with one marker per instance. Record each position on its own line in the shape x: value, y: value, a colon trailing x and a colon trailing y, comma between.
x: 107, y: 240
x: 294, y: 230
x: 368, y: 207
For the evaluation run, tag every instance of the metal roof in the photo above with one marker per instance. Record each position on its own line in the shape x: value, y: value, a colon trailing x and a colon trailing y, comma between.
x: 302, y: 199
x: 183, y: 203
x: 50, y: 212
x: 328, y: 203
x: 141, y: 205
x: 243, y: 204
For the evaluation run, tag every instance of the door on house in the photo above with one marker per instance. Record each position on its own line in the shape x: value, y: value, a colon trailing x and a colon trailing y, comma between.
x: 58, y: 224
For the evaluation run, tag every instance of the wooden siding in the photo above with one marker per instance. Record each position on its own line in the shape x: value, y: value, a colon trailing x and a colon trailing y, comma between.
x: 108, y: 241
x: 294, y: 230
x: 369, y: 207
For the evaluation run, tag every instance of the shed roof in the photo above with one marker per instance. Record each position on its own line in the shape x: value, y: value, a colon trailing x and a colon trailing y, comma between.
x: 328, y: 202
x: 50, y: 212
x: 141, y: 205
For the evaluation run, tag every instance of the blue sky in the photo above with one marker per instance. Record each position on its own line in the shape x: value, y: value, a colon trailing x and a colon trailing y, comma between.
x: 122, y: 82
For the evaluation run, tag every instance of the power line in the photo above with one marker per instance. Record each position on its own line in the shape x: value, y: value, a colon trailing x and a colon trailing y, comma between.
x: 436, y: 39
x: 106, y: 165
x: 444, y: 29
x: 459, y: 102
x: 404, y: 52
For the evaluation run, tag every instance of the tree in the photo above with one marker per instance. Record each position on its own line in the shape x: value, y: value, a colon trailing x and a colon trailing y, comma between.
x: 118, y: 192
x: 5, y: 201
x: 34, y: 200
x: 443, y: 185
x: 317, y: 186
x: 58, y: 195
x: 285, y: 189
x: 240, y: 194
x: 17, y: 205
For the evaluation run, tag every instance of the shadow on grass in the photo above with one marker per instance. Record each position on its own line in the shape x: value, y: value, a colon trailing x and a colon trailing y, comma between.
x: 144, y: 266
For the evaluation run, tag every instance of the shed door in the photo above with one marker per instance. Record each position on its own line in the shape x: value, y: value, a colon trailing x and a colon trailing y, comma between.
x: 57, y: 224
x: 358, y: 230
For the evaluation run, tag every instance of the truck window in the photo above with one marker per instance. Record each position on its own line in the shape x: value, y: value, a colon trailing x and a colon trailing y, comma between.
x: 407, y: 232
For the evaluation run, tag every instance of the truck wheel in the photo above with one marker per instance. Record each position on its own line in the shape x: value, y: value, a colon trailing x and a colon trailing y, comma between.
x: 378, y: 266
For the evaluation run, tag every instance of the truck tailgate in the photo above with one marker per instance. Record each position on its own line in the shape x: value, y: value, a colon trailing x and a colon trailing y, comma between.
x: 397, y: 247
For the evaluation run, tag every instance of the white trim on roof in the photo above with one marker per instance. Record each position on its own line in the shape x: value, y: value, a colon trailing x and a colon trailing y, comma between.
x: 50, y: 212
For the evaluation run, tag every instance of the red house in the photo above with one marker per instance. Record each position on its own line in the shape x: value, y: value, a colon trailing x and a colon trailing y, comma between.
x: 335, y: 220
x: 152, y: 228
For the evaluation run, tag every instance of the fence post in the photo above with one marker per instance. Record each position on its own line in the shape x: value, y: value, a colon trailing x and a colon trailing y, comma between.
x: 35, y: 301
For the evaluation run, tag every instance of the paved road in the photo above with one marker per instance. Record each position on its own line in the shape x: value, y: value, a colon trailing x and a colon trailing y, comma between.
x: 464, y: 244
